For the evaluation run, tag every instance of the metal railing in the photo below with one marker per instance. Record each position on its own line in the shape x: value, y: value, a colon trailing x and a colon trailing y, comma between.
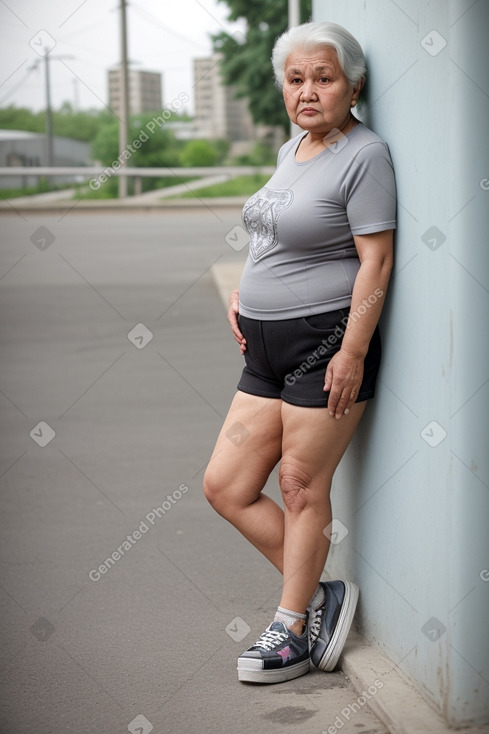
x: 94, y: 171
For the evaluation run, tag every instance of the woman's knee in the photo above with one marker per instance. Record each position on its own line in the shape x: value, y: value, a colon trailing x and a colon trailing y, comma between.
x: 300, y: 490
x: 295, y: 485
x: 222, y: 493
x: 214, y: 489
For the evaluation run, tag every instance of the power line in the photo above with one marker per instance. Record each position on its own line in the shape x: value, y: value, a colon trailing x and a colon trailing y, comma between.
x: 19, y: 84
x: 154, y: 20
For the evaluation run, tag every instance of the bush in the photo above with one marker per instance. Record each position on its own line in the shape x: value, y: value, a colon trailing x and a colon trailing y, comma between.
x: 199, y: 153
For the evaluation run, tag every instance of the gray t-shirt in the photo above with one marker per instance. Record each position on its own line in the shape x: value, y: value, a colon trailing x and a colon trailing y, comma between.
x: 302, y: 258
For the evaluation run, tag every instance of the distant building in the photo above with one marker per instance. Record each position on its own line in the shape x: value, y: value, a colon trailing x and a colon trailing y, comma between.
x: 183, y: 129
x: 22, y: 148
x: 144, y: 91
x: 218, y: 114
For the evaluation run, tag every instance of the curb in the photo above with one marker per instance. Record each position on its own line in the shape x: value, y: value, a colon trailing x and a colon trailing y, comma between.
x: 397, y: 703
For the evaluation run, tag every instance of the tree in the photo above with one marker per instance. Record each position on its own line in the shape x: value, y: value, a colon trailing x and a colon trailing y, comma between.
x: 105, y: 147
x: 21, y: 118
x: 66, y: 121
x: 247, y: 65
x: 149, y: 144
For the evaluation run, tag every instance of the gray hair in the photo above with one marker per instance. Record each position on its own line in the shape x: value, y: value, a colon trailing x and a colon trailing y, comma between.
x: 309, y: 36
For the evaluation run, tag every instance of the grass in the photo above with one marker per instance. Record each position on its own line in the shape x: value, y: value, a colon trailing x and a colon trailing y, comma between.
x: 239, y: 186
x: 41, y: 188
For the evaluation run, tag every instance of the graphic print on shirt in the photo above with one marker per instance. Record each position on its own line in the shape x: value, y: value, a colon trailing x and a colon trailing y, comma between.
x: 260, y: 217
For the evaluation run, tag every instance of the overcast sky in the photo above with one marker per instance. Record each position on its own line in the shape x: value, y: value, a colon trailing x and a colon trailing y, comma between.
x: 163, y: 36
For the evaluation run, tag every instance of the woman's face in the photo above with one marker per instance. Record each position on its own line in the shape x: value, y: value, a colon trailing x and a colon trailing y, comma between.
x: 316, y: 92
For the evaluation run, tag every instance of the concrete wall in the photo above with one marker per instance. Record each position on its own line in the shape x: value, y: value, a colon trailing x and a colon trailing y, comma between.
x: 412, y: 493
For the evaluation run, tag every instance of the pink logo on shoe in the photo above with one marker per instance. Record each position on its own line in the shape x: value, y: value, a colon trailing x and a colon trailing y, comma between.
x: 284, y: 654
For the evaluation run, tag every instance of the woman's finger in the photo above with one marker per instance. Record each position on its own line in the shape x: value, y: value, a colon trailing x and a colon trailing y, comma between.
x: 233, y: 312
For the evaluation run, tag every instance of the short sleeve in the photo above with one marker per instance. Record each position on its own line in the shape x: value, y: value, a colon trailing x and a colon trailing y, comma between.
x: 370, y: 190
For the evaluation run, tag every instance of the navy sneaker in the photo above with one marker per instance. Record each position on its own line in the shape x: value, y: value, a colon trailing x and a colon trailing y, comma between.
x: 277, y: 656
x: 330, y: 623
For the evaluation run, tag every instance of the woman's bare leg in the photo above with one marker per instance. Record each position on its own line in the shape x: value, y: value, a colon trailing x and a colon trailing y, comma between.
x: 312, y: 446
x: 247, y: 449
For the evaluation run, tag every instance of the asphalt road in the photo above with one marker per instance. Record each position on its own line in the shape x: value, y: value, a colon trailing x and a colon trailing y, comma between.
x: 125, y: 599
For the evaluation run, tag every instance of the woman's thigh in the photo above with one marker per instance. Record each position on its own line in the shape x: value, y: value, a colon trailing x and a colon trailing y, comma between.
x: 313, y: 443
x: 247, y: 449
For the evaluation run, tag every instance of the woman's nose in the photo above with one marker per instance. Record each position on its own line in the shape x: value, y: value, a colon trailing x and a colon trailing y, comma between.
x: 307, y: 91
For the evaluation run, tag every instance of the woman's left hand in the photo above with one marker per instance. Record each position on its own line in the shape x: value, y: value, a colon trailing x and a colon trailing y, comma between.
x: 343, y: 378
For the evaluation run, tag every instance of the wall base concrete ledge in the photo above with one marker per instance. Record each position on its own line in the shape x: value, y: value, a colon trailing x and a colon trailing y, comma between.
x: 399, y: 706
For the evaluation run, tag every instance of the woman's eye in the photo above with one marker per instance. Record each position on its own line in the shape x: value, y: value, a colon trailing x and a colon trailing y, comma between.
x: 296, y: 80
x: 324, y: 79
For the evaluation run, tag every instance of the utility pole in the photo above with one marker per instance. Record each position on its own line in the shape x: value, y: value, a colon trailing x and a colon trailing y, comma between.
x: 124, y: 108
x: 294, y: 19
x: 76, y: 95
x: 294, y: 13
x: 49, y: 115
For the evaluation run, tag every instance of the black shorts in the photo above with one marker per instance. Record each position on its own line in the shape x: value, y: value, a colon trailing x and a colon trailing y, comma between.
x: 288, y: 359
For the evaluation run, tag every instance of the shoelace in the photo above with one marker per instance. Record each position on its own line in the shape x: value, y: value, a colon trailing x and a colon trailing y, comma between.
x: 270, y: 639
x: 314, y: 625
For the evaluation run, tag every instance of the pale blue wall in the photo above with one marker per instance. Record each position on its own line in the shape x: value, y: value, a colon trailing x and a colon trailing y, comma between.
x: 417, y: 515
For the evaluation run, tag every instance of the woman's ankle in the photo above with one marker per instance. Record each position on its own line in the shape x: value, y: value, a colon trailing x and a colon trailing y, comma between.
x: 294, y: 621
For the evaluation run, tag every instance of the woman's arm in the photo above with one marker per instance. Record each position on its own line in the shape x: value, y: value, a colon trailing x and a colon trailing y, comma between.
x: 345, y: 371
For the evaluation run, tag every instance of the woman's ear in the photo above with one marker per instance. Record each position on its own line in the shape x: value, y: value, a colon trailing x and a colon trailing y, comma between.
x: 356, y: 91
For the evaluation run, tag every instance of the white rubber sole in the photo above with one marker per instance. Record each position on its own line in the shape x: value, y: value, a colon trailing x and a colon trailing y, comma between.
x: 254, y: 675
x: 337, y: 643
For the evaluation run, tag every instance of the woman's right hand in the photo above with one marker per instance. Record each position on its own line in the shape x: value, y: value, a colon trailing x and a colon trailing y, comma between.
x: 233, y: 320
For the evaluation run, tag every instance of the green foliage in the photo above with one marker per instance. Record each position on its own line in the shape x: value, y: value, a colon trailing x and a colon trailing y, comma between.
x: 41, y: 188
x: 222, y: 147
x: 149, y: 145
x: 105, y: 147
x: 247, y: 65
x: 261, y: 155
x: 66, y: 122
x: 199, y: 153
x: 20, y: 118
x: 108, y: 190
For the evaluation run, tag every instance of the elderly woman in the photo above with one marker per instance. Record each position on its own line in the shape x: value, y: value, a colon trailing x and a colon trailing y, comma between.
x: 305, y: 317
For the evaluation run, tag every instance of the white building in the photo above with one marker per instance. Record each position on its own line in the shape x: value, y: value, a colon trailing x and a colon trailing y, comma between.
x: 145, y: 93
x: 219, y: 115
